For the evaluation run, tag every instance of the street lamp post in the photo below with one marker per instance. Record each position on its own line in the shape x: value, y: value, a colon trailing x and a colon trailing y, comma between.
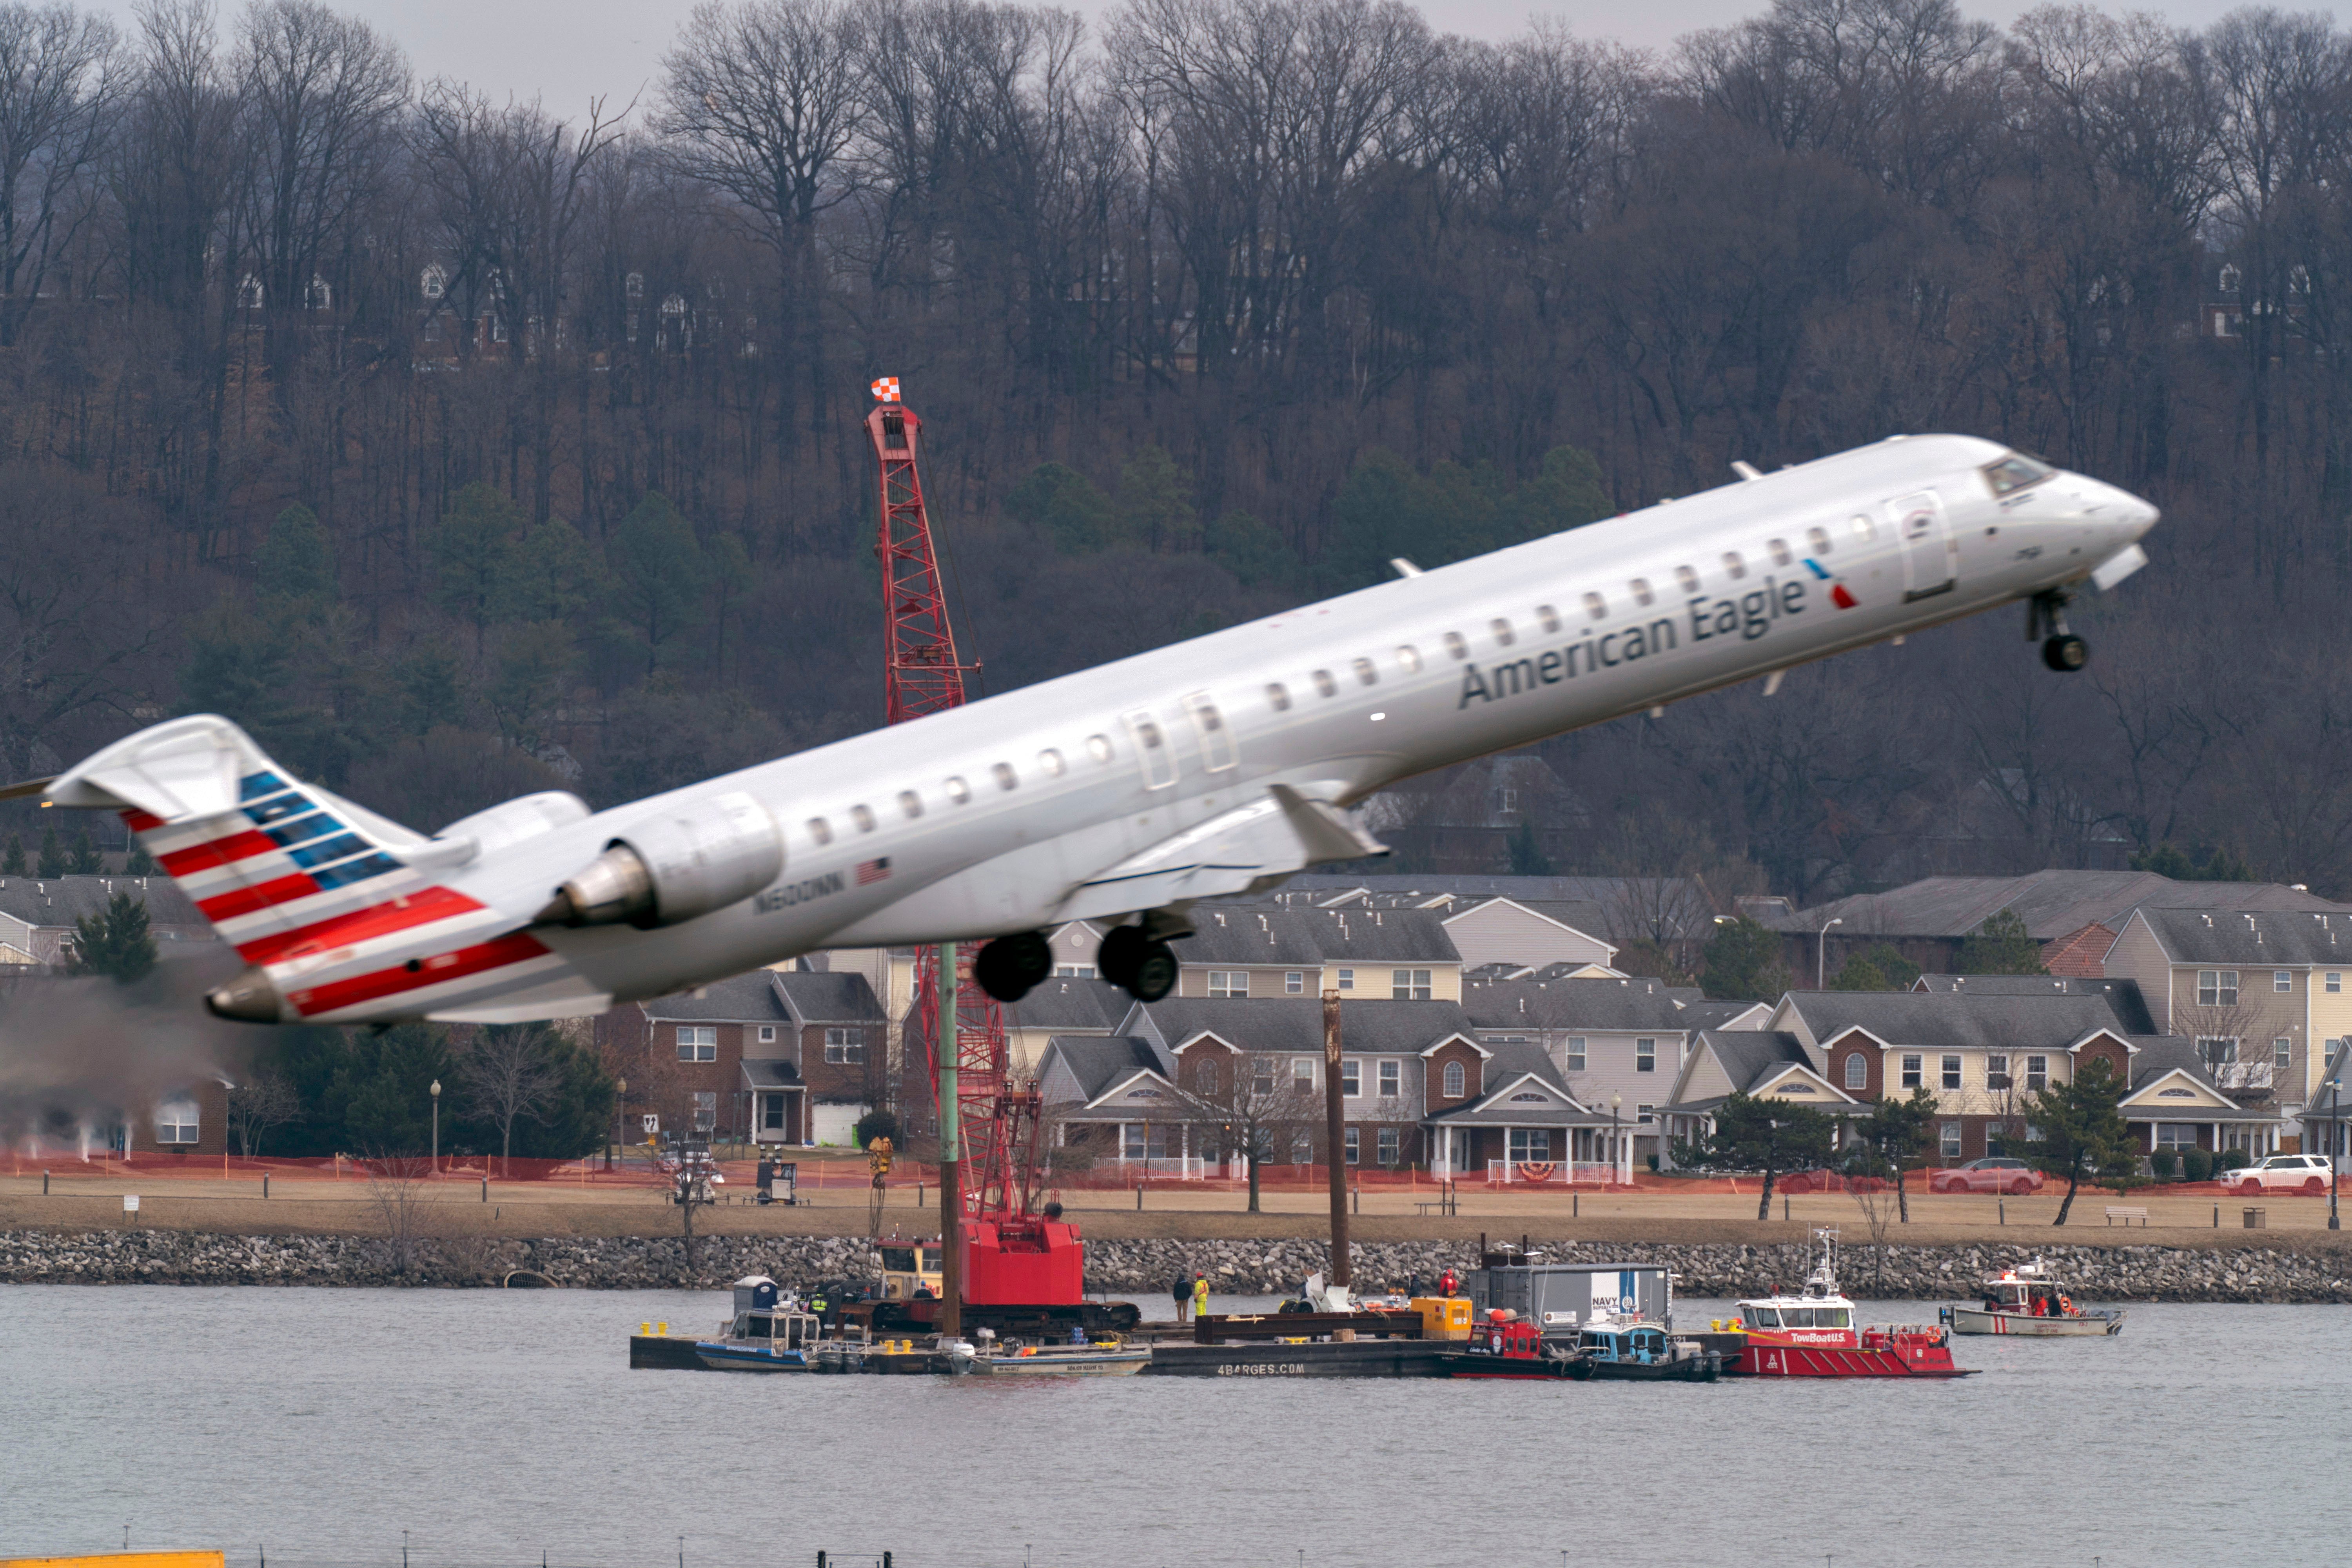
x: 2335, y: 1135
x: 437, y: 1124
x: 620, y: 1094
x: 1616, y: 1150
x: 1822, y: 954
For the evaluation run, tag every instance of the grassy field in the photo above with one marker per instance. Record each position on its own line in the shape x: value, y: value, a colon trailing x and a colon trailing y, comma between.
x: 523, y: 1209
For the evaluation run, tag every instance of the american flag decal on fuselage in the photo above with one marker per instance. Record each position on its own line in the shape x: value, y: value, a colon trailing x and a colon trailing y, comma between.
x: 870, y: 871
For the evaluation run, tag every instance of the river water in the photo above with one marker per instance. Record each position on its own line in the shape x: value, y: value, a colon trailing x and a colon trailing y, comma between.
x: 506, y: 1428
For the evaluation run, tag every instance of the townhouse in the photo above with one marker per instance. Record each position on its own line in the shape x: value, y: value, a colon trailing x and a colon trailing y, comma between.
x: 772, y: 1056
x: 1763, y: 1064
x: 2260, y: 991
x: 1618, y: 1043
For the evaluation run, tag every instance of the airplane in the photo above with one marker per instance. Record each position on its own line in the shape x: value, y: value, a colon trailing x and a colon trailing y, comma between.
x: 1123, y: 794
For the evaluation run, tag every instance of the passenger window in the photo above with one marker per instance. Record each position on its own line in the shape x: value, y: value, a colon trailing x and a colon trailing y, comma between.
x: 1409, y: 657
x: 1277, y: 698
x: 1365, y: 674
x: 1865, y: 530
x: 910, y: 803
x: 1455, y: 645
x: 1686, y: 579
x: 1051, y: 761
x: 1098, y: 746
x: 959, y: 791
x: 1818, y: 538
x: 1502, y: 630
x: 1596, y: 607
x: 1324, y: 685
x: 820, y: 829
x: 1216, y: 740
x: 1159, y: 767
x: 1642, y: 594
x: 1548, y: 617
x: 1003, y: 773
x: 1734, y: 564
x: 1782, y: 555
x: 862, y: 817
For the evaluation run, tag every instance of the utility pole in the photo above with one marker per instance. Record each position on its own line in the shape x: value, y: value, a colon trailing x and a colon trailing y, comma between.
x: 1335, y: 1122
x: 950, y: 1180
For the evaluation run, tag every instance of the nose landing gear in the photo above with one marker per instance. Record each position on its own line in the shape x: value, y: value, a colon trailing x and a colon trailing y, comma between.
x: 2062, y: 650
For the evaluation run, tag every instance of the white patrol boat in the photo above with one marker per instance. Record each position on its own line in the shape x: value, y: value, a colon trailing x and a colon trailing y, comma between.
x: 2024, y: 1300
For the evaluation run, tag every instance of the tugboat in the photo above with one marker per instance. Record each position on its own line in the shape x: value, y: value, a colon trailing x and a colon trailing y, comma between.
x: 1813, y: 1335
x: 764, y: 1335
x: 2025, y: 1299
x: 1508, y: 1347
x: 1628, y: 1350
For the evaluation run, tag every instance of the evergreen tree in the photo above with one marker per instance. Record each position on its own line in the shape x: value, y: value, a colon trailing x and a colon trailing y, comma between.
x: 660, y: 575
x: 86, y: 861
x: 473, y: 556
x: 296, y: 563
x: 1154, y: 506
x: 138, y: 863
x: 2210, y: 864
x: 2002, y: 945
x: 1895, y: 1139
x: 53, y: 854
x: 1773, y: 1136
x: 1248, y: 548
x: 115, y: 941
x: 1064, y: 505
x: 13, y: 863
x: 556, y: 576
x: 1527, y: 852
x: 1881, y: 968
x: 2082, y: 1132
x: 1743, y: 964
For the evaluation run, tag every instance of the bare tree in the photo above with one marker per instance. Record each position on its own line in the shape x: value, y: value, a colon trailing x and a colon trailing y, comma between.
x: 1246, y: 1103
x: 396, y: 1187
x: 59, y: 79
x: 263, y: 1101
x: 505, y: 1072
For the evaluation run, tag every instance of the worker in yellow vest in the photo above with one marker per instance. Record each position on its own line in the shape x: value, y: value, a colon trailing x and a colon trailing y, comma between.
x: 1200, y: 1295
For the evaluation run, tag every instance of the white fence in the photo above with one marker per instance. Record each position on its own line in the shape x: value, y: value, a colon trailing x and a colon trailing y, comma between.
x: 1170, y: 1168
x: 1552, y: 1173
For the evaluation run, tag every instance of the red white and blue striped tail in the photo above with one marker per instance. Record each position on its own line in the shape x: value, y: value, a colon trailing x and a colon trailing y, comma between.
x: 317, y: 892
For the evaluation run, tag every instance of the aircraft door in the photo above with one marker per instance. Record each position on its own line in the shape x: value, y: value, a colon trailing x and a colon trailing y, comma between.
x: 1159, y: 758
x: 1930, y: 555
x: 1209, y: 726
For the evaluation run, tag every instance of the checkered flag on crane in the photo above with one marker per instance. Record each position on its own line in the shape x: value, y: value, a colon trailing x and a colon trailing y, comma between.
x: 886, y: 390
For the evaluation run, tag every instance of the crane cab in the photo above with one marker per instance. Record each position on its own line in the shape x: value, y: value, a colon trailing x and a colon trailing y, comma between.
x: 911, y: 1271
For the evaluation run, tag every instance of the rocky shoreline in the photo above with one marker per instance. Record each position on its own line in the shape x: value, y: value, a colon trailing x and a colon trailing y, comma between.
x: 2104, y: 1273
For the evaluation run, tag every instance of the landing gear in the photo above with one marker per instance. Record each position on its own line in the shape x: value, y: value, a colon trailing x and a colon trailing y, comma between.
x: 2062, y: 650
x: 1007, y: 967
x: 1137, y: 962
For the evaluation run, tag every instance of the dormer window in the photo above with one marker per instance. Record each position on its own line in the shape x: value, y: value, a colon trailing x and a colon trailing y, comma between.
x: 635, y: 286
x: 435, y: 283
x: 249, y: 293
x: 2230, y: 277
x: 322, y: 295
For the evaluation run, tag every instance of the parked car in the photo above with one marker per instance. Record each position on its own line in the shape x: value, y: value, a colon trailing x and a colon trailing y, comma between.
x: 2014, y: 1177
x: 2282, y: 1173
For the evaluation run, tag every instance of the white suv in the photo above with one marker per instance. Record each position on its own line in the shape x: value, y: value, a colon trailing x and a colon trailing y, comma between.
x: 2291, y: 1173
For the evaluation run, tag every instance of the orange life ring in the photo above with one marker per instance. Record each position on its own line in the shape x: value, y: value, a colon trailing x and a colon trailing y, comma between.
x: 2066, y: 1305
x: 1537, y: 1169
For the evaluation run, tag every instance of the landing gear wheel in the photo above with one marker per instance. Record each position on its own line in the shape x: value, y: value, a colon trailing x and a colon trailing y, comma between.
x: 1121, y: 950
x: 1007, y: 967
x: 2065, y: 653
x: 1155, y: 972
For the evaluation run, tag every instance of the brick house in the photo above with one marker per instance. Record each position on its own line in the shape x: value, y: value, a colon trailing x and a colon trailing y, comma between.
x: 774, y: 1057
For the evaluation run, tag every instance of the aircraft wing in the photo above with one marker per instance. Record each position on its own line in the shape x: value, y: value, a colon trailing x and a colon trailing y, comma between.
x: 1237, y: 851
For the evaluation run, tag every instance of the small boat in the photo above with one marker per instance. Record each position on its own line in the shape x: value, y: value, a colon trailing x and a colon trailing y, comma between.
x: 1813, y: 1334
x: 1509, y: 1348
x: 766, y: 1333
x: 1631, y: 1349
x: 2025, y: 1299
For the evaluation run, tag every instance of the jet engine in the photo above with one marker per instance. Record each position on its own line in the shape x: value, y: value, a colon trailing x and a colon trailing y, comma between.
x: 695, y: 857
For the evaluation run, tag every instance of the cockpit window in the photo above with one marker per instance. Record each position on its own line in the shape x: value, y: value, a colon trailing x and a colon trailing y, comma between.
x: 2014, y: 472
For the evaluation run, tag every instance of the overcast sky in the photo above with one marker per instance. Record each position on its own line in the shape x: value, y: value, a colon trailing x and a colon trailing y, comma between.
x: 563, y: 52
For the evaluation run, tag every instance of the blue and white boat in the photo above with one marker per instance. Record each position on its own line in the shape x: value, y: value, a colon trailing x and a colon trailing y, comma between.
x: 764, y: 1335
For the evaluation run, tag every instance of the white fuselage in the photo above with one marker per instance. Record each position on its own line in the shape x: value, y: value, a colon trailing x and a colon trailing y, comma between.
x: 990, y: 818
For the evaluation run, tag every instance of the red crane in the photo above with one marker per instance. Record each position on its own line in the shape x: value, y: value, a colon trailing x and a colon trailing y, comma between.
x: 1008, y: 1256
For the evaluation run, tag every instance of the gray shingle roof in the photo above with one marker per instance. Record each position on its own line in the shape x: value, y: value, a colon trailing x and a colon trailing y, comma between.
x: 762, y: 1073
x: 2155, y: 1056
x: 741, y: 999
x: 1618, y: 908
x: 1506, y: 1076
x: 62, y: 900
x: 2252, y: 940
x: 2122, y: 995
x: 1955, y: 1021
x: 1296, y: 1026
x: 1631, y: 1003
x: 2051, y: 904
x: 1098, y: 1061
x: 1061, y: 1001
x: 1279, y: 933
x: 1751, y: 1055
x: 823, y: 998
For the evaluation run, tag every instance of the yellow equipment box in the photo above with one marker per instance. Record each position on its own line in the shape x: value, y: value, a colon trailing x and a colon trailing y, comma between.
x: 1444, y: 1317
